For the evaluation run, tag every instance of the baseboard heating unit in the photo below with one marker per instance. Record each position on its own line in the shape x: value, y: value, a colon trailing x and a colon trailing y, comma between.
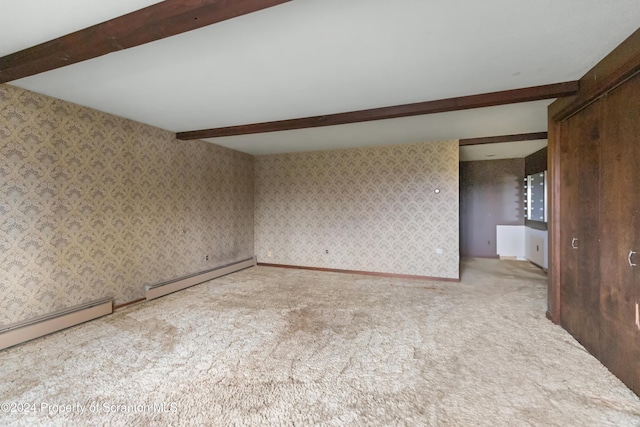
x: 26, y: 330
x: 164, y: 288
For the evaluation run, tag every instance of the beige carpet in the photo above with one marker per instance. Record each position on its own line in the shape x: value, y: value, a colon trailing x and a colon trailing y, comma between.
x: 270, y: 346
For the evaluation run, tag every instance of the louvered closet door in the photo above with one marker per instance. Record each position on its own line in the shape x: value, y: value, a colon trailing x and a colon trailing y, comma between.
x: 580, y: 297
x: 620, y: 233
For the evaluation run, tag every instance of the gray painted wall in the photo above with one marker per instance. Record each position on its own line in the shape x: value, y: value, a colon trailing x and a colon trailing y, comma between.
x: 491, y: 194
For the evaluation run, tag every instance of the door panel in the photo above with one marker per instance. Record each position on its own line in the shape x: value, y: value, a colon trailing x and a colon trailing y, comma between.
x: 619, y: 229
x: 569, y: 293
x: 588, y: 226
x: 580, y: 227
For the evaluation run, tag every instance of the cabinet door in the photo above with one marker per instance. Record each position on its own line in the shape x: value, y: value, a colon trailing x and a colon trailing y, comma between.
x: 580, y: 215
x: 620, y: 231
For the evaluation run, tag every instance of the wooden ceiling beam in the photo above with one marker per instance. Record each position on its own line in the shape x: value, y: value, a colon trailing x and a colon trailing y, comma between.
x: 504, y: 138
x: 535, y: 93
x: 155, y: 22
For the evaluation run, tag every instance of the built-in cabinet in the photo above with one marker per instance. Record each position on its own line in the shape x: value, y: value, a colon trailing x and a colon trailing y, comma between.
x: 620, y: 233
x: 536, y: 247
x: 600, y: 229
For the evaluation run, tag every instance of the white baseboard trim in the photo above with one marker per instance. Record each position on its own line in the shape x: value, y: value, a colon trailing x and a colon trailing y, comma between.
x: 20, y: 332
x: 164, y: 288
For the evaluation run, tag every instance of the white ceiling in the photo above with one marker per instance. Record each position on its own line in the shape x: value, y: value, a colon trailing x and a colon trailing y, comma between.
x: 502, y: 150
x: 26, y: 23
x: 314, y: 57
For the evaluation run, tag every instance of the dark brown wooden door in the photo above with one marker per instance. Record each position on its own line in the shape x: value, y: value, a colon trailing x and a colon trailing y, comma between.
x: 620, y: 234
x: 580, y: 227
x: 589, y: 226
x: 569, y: 312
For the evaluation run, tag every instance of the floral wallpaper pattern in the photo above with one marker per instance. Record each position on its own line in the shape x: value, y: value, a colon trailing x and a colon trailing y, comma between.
x: 93, y: 205
x: 368, y: 209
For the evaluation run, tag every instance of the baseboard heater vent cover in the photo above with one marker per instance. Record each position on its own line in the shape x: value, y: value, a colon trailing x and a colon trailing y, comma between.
x: 164, y: 288
x: 26, y: 330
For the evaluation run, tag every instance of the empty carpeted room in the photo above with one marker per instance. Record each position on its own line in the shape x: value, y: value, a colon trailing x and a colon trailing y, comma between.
x: 306, y: 212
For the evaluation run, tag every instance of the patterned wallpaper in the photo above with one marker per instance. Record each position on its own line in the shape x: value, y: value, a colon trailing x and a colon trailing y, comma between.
x: 372, y: 209
x: 93, y: 205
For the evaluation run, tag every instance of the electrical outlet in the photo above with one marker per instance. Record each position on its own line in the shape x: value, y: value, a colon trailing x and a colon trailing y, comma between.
x: 269, y: 254
x: 439, y: 251
x: 326, y: 251
x: 206, y: 258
